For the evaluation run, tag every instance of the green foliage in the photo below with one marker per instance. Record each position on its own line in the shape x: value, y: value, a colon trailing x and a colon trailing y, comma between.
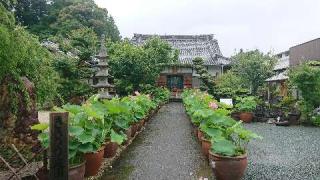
x: 307, y: 79
x: 134, y: 67
x: 315, y: 120
x: 228, y: 137
x: 230, y: 85
x: 22, y: 55
x: 47, y: 18
x: 253, y: 67
x: 72, y: 74
x: 159, y: 94
x: 246, y: 104
x: 96, y: 121
x: 81, y: 14
x: 205, y: 77
x: 74, y: 71
x: 117, y: 138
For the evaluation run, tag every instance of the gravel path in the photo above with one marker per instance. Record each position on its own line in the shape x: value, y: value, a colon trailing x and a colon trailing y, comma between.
x: 166, y: 149
x: 286, y: 153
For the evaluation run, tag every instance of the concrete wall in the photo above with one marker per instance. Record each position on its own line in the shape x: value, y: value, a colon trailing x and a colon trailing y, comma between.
x: 308, y: 51
x: 214, y: 70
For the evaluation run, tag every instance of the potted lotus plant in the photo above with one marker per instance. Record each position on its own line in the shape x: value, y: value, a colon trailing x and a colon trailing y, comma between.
x: 117, y: 115
x: 79, y: 145
x: 228, y: 155
x: 90, y: 121
x: 224, y: 138
x: 209, y: 125
x: 246, y: 106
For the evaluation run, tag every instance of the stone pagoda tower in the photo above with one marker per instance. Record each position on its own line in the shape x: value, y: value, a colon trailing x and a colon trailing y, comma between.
x: 106, y: 90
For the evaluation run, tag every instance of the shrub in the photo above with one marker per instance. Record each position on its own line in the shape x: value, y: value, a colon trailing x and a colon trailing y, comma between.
x: 307, y: 79
x: 246, y: 104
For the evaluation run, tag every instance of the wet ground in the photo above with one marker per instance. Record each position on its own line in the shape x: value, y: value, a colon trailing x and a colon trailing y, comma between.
x: 165, y: 150
x: 286, y: 153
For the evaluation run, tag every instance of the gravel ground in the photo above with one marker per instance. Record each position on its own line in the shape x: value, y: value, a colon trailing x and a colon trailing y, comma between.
x: 166, y: 150
x: 286, y: 153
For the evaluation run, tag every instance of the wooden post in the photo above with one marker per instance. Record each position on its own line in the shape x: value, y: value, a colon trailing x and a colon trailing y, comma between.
x: 59, y: 163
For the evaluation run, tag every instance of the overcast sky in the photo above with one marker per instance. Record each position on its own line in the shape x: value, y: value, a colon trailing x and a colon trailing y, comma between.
x: 269, y: 25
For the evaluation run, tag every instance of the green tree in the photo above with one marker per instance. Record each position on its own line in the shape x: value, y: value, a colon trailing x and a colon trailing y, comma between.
x: 205, y: 77
x: 134, y: 67
x: 31, y: 12
x: 307, y: 79
x: 75, y: 71
x: 254, y: 67
x: 22, y: 55
x: 229, y: 85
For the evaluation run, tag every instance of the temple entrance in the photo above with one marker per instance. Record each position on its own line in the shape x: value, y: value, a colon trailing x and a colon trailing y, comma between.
x: 175, y: 82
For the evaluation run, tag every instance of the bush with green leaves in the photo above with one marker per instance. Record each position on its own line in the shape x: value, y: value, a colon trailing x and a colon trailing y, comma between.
x: 228, y: 137
x: 246, y: 104
x: 253, y: 67
x: 134, y: 67
x: 159, y: 94
x: 230, y: 85
x: 22, y: 55
x: 306, y: 78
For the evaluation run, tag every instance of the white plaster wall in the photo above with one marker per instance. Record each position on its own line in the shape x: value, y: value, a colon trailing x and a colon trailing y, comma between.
x: 214, y: 70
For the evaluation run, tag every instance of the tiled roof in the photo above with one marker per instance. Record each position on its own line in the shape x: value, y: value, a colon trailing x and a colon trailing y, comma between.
x: 282, y: 63
x: 279, y: 77
x: 190, y: 47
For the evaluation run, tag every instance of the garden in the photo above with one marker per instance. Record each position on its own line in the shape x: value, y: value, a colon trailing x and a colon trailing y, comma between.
x: 62, y: 57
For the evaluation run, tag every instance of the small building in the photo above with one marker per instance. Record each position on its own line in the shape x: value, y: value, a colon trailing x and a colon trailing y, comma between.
x: 182, y: 75
x: 279, y: 80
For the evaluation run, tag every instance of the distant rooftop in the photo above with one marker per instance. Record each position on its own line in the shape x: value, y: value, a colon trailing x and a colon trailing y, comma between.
x: 190, y: 47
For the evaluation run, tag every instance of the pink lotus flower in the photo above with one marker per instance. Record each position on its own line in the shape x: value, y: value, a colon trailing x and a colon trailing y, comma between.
x: 213, y: 105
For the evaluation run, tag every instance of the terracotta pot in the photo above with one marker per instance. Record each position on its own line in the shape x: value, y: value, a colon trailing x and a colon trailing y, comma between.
x: 77, y: 172
x: 235, y: 115
x: 206, y: 146
x: 228, y: 168
x: 134, y: 129
x: 195, y: 130
x: 142, y: 123
x: 110, y: 149
x: 93, y: 162
x: 246, y: 117
x: 200, y: 135
x: 128, y: 134
x: 294, y: 118
x: 139, y: 125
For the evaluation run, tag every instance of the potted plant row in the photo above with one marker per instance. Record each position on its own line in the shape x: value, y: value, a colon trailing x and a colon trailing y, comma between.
x: 224, y: 140
x: 97, y: 128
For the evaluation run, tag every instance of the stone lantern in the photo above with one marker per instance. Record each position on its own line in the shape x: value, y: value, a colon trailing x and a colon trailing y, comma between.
x: 105, y: 90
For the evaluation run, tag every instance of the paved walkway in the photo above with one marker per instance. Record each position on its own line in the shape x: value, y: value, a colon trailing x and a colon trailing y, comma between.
x: 165, y: 150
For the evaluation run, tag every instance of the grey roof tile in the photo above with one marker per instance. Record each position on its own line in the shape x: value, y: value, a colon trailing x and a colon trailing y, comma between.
x: 190, y: 47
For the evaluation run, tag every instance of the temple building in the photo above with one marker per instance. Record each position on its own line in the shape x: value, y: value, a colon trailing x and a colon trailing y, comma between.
x: 182, y: 75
